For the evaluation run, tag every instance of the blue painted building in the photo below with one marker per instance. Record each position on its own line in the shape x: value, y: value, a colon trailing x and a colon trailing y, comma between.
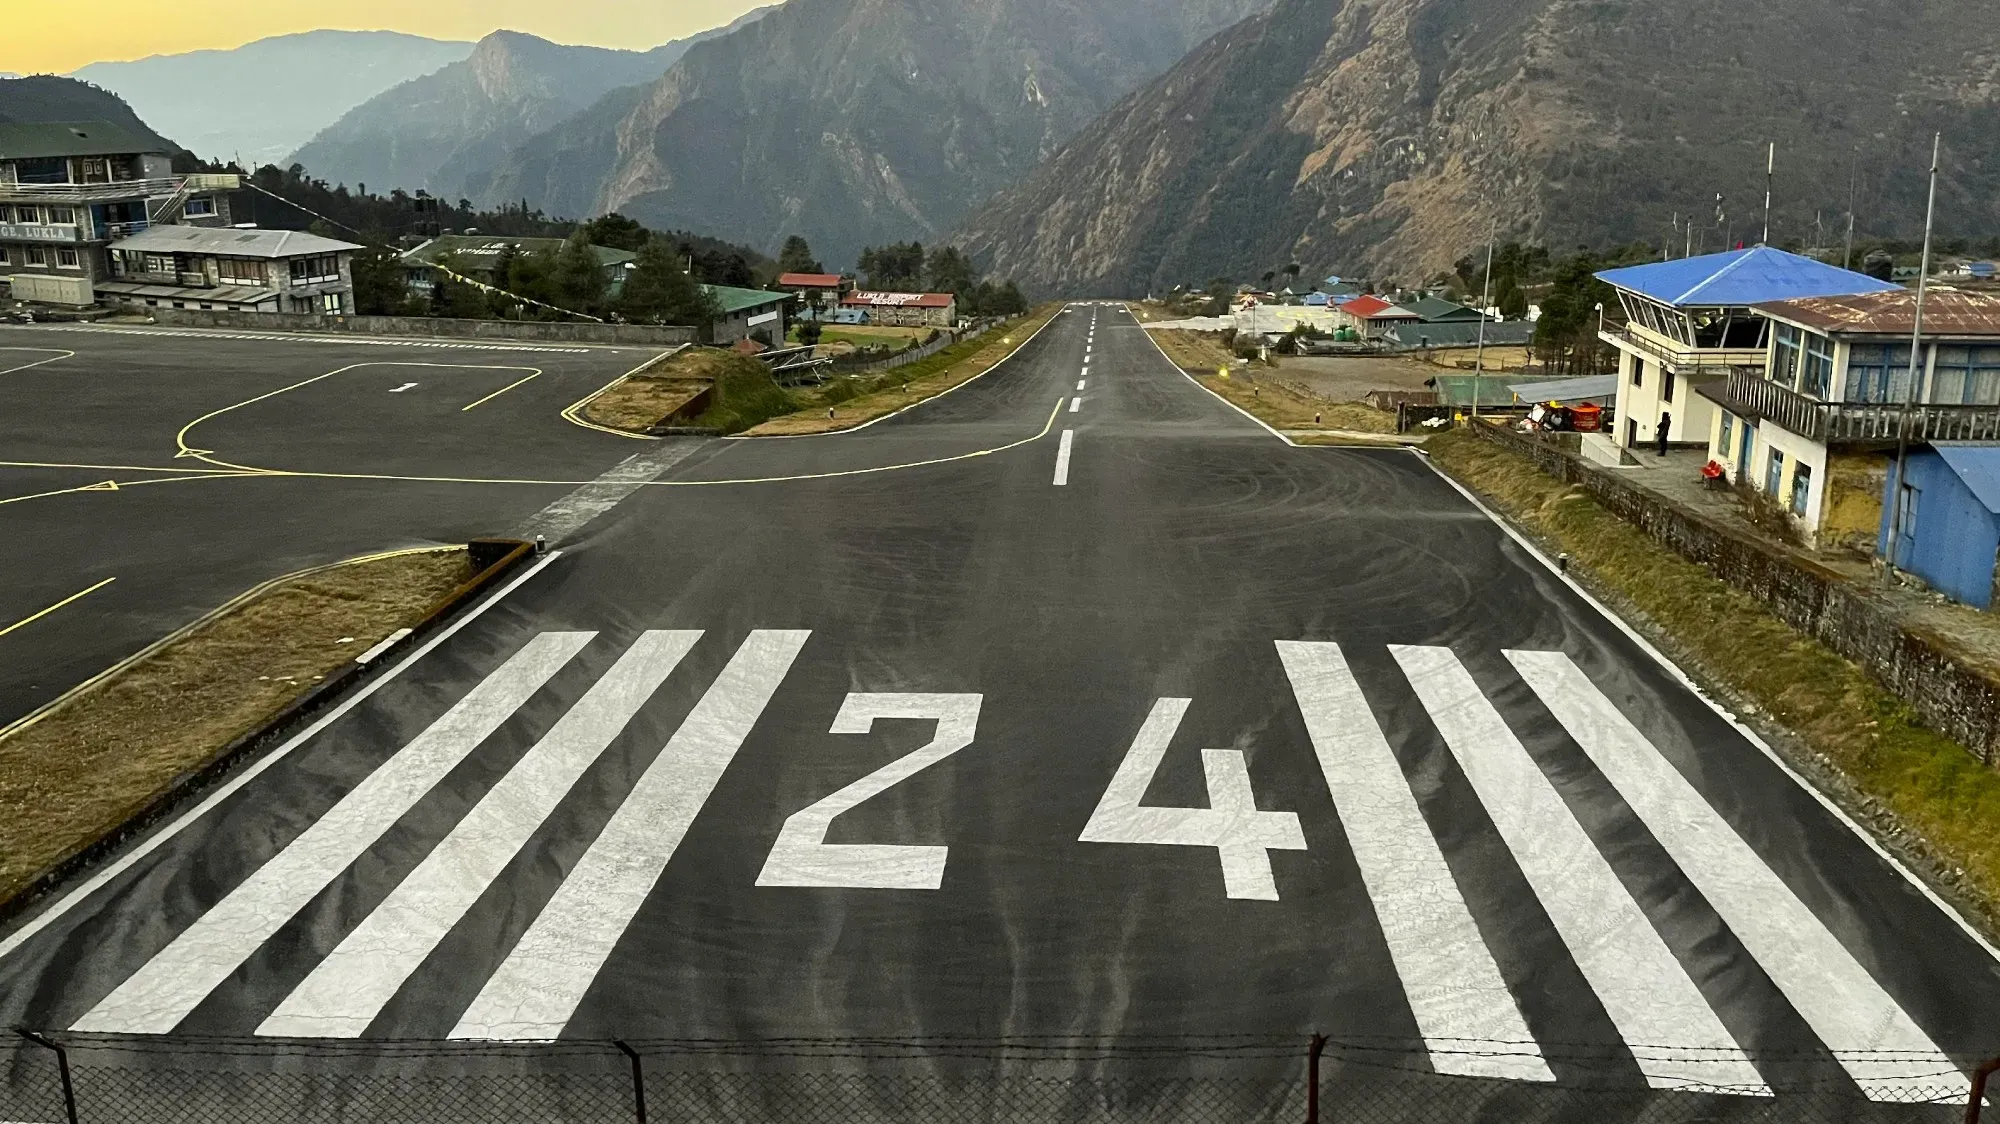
x: 1948, y: 519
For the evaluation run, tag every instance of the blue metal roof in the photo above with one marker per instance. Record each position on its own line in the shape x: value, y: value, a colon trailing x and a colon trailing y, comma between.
x: 1741, y: 277
x: 1979, y: 467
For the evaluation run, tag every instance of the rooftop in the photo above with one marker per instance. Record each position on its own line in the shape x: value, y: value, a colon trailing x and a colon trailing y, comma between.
x: 733, y: 300
x: 809, y: 280
x: 1947, y: 312
x: 1363, y: 306
x: 1437, y: 308
x: 491, y: 245
x: 230, y: 243
x: 1740, y: 277
x: 72, y: 138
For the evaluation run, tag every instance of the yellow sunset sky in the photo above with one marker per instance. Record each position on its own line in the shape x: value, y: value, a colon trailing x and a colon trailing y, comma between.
x: 58, y: 38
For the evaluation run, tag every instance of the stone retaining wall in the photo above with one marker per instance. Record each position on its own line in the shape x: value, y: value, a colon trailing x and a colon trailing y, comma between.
x: 1954, y: 698
x: 637, y: 335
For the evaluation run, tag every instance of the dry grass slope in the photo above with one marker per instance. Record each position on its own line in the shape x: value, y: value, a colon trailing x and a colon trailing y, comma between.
x: 88, y: 766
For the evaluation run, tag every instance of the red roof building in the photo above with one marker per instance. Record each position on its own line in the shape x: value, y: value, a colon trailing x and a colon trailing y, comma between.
x: 809, y: 281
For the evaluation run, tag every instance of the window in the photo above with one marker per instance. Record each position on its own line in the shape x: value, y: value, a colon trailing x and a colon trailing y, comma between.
x: 36, y: 255
x: 160, y: 263
x: 1877, y: 372
x: 28, y: 216
x: 1785, y: 362
x: 62, y: 216
x: 66, y: 258
x: 1638, y: 372
x: 1666, y: 384
x: 1801, y: 487
x: 329, y: 303
x: 1968, y: 376
x: 199, y: 208
x: 1774, y: 472
x: 241, y: 271
x: 4, y: 256
x: 1817, y: 378
x: 321, y: 267
x: 6, y: 214
x: 1728, y: 433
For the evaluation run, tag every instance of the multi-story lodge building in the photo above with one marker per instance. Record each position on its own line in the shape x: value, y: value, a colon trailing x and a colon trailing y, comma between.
x: 69, y: 190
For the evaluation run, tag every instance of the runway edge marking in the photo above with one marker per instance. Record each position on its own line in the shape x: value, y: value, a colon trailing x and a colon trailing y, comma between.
x: 906, y: 409
x: 1680, y: 675
x: 174, y: 826
x: 1197, y: 382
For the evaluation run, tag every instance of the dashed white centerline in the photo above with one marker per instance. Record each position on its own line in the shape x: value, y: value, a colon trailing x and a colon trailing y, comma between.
x: 1075, y: 404
x: 1080, y: 382
x: 1062, y: 457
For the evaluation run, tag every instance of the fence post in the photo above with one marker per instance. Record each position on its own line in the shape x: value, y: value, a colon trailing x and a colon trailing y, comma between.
x: 62, y: 1067
x: 638, y: 1081
x: 1979, y: 1076
x: 1313, y: 1050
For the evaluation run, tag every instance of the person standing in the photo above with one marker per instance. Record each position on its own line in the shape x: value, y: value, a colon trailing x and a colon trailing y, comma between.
x: 1666, y: 426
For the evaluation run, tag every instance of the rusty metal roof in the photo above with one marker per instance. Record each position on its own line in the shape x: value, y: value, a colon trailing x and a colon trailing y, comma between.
x: 1947, y: 312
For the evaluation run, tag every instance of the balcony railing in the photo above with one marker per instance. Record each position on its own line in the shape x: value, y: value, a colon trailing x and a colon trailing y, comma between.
x: 1685, y: 360
x: 90, y: 192
x: 1749, y: 394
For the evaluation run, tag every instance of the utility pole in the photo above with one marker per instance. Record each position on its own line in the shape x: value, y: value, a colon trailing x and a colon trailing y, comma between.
x: 1770, y: 166
x: 1910, y: 391
x: 1853, y: 170
x: 1485, y: 301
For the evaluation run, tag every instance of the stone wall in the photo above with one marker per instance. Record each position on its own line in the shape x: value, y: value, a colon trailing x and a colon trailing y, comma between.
x: 1923, y: 669
x: 636, y: 335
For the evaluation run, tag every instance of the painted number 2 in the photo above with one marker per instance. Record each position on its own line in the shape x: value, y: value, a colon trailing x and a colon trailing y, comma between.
x: 1242, y: 836
x: 803, y: 857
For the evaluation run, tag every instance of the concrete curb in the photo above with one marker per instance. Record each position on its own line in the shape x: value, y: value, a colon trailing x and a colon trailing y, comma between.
x: 496, y: 558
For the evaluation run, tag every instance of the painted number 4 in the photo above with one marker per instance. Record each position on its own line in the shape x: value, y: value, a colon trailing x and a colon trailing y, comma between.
x: 1242, y: 836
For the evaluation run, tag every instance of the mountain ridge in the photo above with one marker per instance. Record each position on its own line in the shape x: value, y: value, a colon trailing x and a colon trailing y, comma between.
x: 856, y: 121
x: 442, y: 132
x: 1388, y: 137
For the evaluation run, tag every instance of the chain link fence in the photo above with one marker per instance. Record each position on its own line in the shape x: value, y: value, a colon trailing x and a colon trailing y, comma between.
x: 86, y: 1079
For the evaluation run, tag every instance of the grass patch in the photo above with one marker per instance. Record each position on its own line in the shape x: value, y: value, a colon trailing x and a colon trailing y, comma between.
x: 1194, y: 352
x: 1927, y: 783
x: 744, y: 393
x: 863, y: 399
x: 1282, y: 405
x: 95, y: 761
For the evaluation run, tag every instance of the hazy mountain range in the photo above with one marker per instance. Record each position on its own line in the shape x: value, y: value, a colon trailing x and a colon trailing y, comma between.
x: 1387, y: 137
x: 264, y: 99
x: 1124, y: 145
x: 447, y: 131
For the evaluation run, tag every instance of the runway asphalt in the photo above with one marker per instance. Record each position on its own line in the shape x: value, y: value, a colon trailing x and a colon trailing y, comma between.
x: 174, y: 545
x: 1108, y: 713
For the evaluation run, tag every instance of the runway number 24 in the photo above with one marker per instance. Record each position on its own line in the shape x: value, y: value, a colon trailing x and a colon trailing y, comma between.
x: 1242, y: 835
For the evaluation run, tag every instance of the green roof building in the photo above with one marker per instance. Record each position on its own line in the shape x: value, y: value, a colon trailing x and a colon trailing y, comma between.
x: 476, y: 254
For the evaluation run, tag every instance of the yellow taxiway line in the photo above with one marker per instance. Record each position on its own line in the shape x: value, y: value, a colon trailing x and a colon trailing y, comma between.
x: 25, y: 621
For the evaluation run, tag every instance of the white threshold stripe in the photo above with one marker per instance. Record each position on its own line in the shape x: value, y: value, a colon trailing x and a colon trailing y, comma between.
x: 1062, y: 457
x: 1075, y: 404
x: 1830, y: 989
x: 1644, y: 989
x: 538, y: 987
x: 347, y: 989
x: 160, y: 994
x: 1454, y: 986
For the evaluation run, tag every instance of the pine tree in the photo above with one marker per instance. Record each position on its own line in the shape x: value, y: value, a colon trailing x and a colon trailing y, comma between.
x: 658, y: 291
x: 579, y: 277
x: 797, y: 257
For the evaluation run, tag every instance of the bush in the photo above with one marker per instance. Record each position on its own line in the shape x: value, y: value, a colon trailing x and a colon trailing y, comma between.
x: 744, y: 395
